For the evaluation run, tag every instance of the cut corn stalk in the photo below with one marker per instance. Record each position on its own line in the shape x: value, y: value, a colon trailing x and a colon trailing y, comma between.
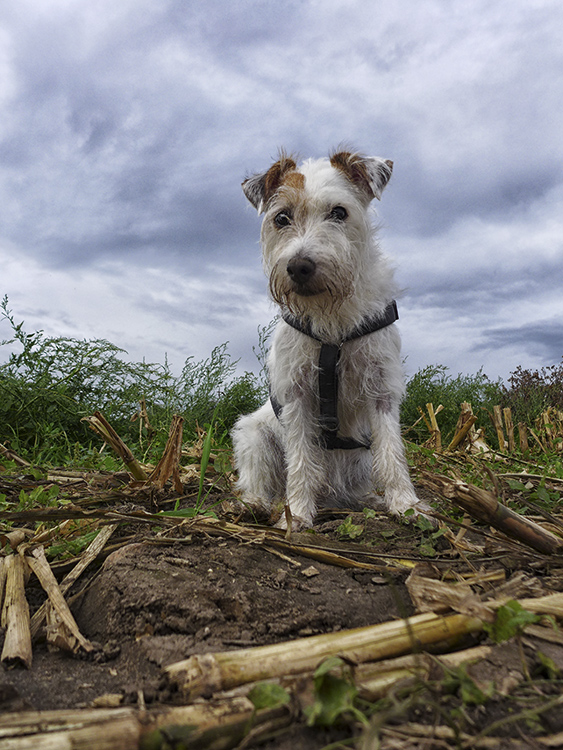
x: 523, y: 437
x: 15, y: 615
x: 221, y: 724
x: 464, y: 424
x: 169, y: 464
x: 435, y: 430
x: 484, y: 506
x: 95, y: 729
x: 13, y: 456
x: 507, y: 413
x: 98, y: 423
x: 62, y: 630
x: 497, y: 421
x: 374, y: 679
x: 204, y: 674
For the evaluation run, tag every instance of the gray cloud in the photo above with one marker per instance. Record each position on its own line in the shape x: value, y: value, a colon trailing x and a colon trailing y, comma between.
x: 544, y: 339
x: 126, y: 129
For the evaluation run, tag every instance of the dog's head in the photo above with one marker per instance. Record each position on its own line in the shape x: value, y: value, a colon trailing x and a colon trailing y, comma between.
x: 316, y: 233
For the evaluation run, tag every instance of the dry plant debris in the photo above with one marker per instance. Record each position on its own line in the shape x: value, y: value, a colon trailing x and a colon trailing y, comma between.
x: 474, y: 587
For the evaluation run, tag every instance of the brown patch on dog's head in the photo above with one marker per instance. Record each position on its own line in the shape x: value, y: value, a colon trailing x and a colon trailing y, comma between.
x: 294, y: 180
x: 260, y: 188
x: 369, y: 174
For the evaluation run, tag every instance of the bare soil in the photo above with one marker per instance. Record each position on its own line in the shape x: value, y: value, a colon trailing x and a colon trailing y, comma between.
x: 159, y: 598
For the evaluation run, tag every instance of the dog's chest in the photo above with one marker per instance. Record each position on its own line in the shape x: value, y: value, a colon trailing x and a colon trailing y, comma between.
x: 295, y: 369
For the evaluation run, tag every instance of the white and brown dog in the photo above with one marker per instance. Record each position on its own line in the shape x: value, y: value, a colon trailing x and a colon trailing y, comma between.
x: 329, y: 435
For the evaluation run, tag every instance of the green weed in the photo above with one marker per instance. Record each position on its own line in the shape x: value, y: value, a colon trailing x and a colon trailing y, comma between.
x: 541, y: 495
x: 458, y: 681
x: 335, y: 695
x: 510, y: 620
x: 268, y: 695
x: 40, y: 496
x: 434, y: 384
x: 350, y: 529
x: 47, y: 384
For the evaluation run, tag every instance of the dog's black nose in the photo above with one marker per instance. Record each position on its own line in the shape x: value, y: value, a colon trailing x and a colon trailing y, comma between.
x: 301, y: 270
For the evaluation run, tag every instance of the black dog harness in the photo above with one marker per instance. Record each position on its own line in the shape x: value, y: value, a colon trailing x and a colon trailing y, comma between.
x: 328, y: 376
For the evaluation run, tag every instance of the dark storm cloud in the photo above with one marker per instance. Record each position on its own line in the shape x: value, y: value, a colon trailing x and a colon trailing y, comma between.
x: 544, y: 339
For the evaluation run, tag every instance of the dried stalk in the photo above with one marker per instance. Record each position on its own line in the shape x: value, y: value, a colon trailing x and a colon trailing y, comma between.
x: 13, y: 456
x: 301, y: 544
x: 464, y: 424
x: 484, y: 506
x: 15, y: 615
x: 169, y: 464
x: 95, y: 729
x: 98, y: 423
x: 542, y: 447
x: 2, y: 581
x: 432, y: 595
x: 507, y: 413
x: 221, y: 724
x: 497, y: 421
x: 204, y: 674
x: 62, y: 630
x: 523, y: 437
x: 545, y: 605
x: 436, y: 434
x: 374, y: 679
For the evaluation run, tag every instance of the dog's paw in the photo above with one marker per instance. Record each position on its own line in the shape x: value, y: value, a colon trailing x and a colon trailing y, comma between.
x: 298, y: 523
x: 401, y: 503
x: 420, y: 510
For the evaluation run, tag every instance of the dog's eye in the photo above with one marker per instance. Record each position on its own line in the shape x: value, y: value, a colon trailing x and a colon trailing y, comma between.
x: 338, y: 213
x: 283, y: 219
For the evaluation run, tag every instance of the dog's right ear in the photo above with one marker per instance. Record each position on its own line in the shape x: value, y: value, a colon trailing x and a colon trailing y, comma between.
x: 260, y: 188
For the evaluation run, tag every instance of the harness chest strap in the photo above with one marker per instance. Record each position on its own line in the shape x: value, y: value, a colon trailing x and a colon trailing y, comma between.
x: 328, y: 376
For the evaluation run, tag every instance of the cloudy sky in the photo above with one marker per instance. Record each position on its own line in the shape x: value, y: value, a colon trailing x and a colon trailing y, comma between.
x: 126, y: 127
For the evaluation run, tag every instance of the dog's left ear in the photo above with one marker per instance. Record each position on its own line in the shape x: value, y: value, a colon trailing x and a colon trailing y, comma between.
x: 368, y: 173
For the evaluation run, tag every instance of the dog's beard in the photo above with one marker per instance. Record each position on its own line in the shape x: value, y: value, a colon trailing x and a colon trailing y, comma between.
x: 324, y: 297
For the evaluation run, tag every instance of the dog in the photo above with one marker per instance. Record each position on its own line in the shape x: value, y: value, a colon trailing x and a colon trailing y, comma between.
x: 329, y: 435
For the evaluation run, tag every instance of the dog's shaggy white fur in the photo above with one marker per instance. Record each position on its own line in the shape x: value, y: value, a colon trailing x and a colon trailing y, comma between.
x: 325, y: 267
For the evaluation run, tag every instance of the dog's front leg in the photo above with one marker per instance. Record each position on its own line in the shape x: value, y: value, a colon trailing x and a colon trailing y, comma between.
x: 390, y: 468
x: 305, y: 471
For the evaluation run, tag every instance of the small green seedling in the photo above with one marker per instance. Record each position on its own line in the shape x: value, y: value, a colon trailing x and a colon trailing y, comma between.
x: 334, y: 695
x: 510, y: 620
x: 350, y: 529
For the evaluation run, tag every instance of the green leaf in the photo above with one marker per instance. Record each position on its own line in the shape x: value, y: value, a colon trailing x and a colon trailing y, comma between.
x: 426, y: 548
x: 350, y: 529
x: 268, y: 695
x: 331, y: 662
x: 469, y: 692
x: 388, y: 534
x: 553, y: 671
x: 423, y: 523
x: 334, y: 694
x: 542, y: 494
x: 510, y: 620
x: 514, y: 484
x: 334, y: 697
